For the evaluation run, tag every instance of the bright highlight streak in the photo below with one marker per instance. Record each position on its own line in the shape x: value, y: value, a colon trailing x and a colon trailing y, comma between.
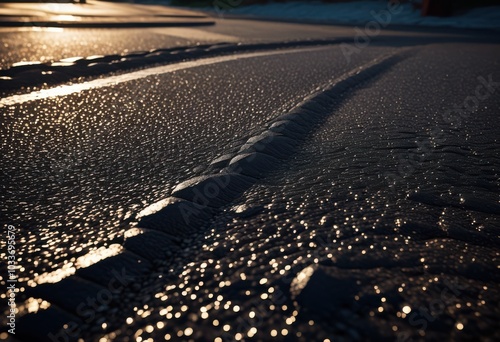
x: 87, y: 260
x: 113, y: 80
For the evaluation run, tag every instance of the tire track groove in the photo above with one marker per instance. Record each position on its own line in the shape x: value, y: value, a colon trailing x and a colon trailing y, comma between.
x: 160, y: 230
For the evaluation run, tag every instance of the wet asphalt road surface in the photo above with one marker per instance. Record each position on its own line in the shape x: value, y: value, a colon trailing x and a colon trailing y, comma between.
x: 382, y: 224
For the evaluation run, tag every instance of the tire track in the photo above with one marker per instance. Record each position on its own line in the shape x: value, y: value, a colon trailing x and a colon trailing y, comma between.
x: 165, y: 228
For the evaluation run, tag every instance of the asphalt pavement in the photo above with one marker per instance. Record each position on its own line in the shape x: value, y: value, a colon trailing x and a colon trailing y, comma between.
x: 94, y: 13
x: 359, y: 196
